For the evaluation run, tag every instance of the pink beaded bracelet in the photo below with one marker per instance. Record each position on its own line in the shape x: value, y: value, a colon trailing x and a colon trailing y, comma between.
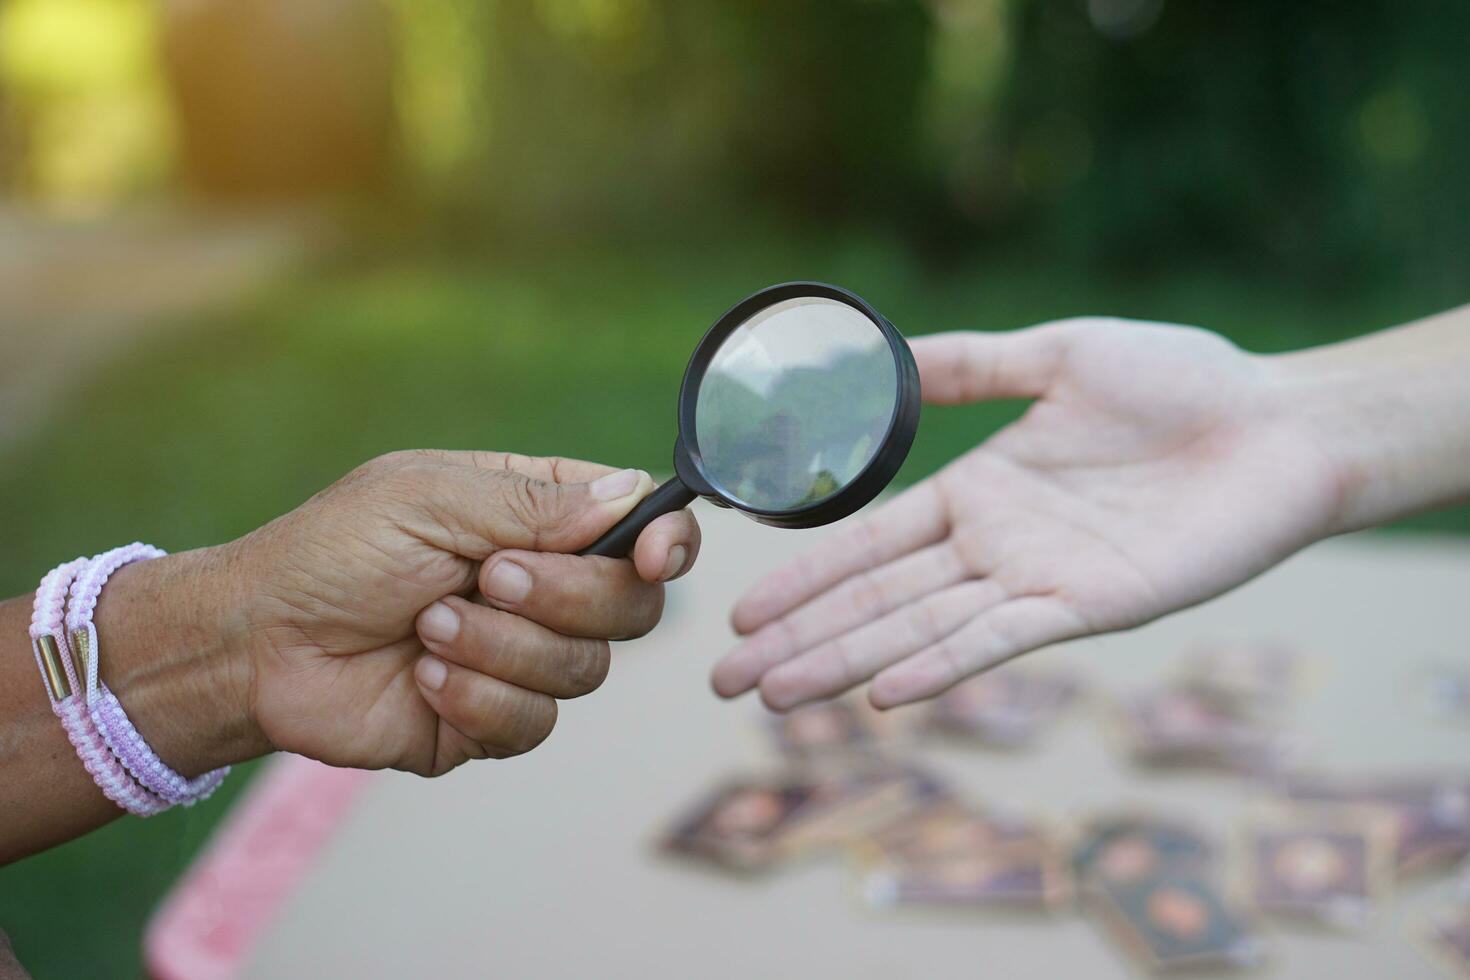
x: 62, y: 671
x: 106, y: 712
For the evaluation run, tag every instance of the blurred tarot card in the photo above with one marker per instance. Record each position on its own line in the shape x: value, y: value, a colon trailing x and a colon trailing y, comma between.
x: 1008, y: 707
x: 1131, y: 847
x: 1449, y: 937
x: 746, y: 824
x: 865, y: 803
x: 947, y: 855
x: 825, y: 729
x: 1328, y: 867
x: 1178, y: 921
x: 945, y: 826
x: 1430, y: 814
x: 1180, y: 727
x: 1248, y: 677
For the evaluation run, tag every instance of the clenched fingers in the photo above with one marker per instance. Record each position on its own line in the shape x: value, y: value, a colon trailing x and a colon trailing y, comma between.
x: 503, y: 719
x: 512, y: 648
x: 576, y: 596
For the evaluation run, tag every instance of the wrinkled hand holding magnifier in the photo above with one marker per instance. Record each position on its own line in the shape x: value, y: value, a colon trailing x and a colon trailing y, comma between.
x: 797, y: 408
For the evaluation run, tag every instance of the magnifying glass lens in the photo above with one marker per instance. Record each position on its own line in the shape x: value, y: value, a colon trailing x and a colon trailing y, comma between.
x: 795, y: 403
x: 798, y: 406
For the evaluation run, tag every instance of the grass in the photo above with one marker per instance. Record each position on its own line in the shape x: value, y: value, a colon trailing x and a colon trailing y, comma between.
x: 206, y: 432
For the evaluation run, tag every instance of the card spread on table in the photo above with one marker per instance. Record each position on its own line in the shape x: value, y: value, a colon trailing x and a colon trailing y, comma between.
x: 1009, y: 707
x: 862, y: 802
x: 1246, y: 677
x: 825, y: 729
x: 1430, y: 814
x: 1329, y: 867
x: 1180, y: 727
x: 1129, y: 847
x: 1177, y: 921
x: 747, y: 823
x: 755, y: 822
x: 946, y: 854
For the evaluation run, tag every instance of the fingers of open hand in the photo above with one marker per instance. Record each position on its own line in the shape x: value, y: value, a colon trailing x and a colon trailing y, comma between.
x: 513, y: 649
x: 971, y: 366
x: 834, y: 666
x: 501, y: 718
x: 1013, y: 627
x: 911, y: 520
x: 864, y: 597
x: 573, y: 595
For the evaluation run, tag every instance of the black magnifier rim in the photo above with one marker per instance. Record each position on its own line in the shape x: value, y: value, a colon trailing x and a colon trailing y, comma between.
x: 879, y: 471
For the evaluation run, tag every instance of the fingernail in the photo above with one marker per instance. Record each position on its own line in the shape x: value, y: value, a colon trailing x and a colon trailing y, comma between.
x: 439, y: 623
x: 507, y: 582
x: 431, y: 672
x: 674, y: 564
x: 615, y: 486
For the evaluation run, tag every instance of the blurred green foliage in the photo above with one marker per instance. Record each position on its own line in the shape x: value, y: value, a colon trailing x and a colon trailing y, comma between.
x: 1316, y: 143
x: 615, y: 112
x: 1313, y: 140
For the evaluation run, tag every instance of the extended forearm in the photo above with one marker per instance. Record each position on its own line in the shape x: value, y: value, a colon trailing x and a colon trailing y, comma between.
x: 1392, y: 410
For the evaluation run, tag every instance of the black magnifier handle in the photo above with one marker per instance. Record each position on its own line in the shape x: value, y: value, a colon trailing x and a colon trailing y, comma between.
x: 619, y: 540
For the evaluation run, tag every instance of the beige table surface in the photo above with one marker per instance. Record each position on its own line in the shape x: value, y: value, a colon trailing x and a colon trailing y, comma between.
x: 542, y: 866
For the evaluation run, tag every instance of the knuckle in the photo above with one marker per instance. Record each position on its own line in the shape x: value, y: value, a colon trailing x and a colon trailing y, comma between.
x: 393, y: 462
x: 555, y: 466
x: 405, y: 471
x: 535, y: 504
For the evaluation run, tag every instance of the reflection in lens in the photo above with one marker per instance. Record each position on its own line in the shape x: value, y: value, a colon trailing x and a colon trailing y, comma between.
x: 795, y: 403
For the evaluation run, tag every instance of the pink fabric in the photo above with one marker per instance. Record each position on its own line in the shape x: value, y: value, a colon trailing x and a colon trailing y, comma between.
x: 210, y: 921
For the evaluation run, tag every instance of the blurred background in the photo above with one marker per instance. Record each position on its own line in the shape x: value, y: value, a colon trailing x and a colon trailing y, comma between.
x: 248, y: 244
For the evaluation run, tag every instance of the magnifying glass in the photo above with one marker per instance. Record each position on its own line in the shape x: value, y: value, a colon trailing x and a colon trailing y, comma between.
x: 797, y: 408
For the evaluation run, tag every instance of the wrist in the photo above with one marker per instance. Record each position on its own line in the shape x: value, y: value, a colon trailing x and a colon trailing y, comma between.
x: 173, y: 652
x: 1390, y: 414
x: 1304, y: 397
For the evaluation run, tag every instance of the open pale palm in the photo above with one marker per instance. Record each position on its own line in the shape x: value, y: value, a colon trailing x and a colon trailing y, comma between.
x: 1156, y: 469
